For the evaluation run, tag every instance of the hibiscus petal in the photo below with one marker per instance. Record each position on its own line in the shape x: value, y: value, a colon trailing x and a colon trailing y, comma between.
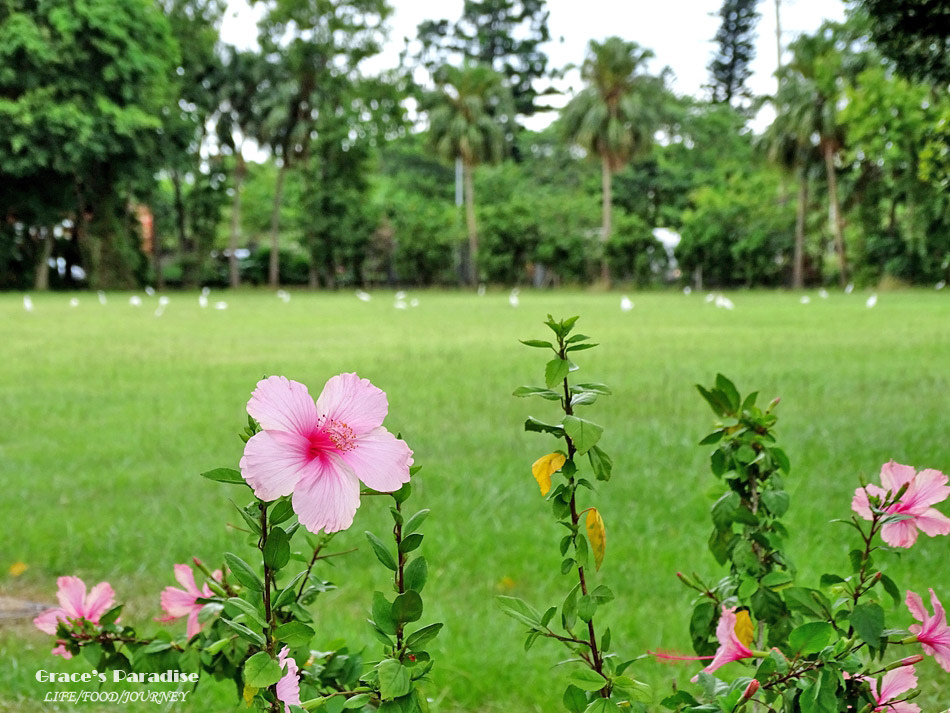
x: 48, y: 620
x: 896, y: 682
x: 61, y: 651
x: 279, y: 404
x: 894, y: 475
x: 71, y: 594
x: 915, y: 604
x: 353, y: 401
x: 380, y: 460
x: 933, y: 522
x: 101, y: 598
x: 900, y: 534
x: 939, y: 615
x: 327, y: 500
x: 860, y: 503
x: 186, y: 578
x: 193, y: 626
x: 288, y: 687
x: 177, y: 603
x: 928, y: 488
x: 273, y: 463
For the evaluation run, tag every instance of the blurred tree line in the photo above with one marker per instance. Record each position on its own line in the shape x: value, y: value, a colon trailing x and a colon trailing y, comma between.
x: 137, y: 147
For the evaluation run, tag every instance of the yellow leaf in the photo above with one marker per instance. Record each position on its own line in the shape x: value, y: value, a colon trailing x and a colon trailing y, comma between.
x: 744, y: 629
x: 249, y: 693
x: 597, y: 534
x: 18, y: 568
x: 544, y: 467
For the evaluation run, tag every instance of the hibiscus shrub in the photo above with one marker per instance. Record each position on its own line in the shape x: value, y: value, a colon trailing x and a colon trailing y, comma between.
x: 599, y: 684
x: 811, y: 649
x: 251, y: 621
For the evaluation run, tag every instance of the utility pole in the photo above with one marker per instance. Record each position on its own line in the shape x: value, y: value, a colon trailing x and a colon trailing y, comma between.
x: 778, y: 37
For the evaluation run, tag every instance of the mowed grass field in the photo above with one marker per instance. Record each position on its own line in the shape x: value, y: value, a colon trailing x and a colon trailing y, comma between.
x: 109, y: 414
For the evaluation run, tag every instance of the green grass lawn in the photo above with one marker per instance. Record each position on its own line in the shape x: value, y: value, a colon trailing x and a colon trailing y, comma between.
x: 110, y: 413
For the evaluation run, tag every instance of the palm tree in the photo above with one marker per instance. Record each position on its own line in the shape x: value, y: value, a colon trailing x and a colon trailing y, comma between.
x: 818, y: 63
x: 467, y: 117
x: 236, y: 121
x: 789, y: 145
x: 615, y: 116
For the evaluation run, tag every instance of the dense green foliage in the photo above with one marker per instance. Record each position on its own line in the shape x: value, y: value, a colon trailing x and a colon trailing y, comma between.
x: 136, y: 147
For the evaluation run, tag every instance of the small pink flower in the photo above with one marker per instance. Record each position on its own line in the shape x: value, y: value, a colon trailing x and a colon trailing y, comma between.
x: 75, y: 604
x: 178, y: 603
x: 924, y: 489
x: 890, y: 686
x: 288, y: 687
x: 320, y: 452
x: 932, y: 632
x: 730, y: 648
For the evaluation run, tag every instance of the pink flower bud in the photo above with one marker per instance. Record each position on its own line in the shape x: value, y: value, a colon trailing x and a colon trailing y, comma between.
x: 750, y: 690
x: 911, y: 660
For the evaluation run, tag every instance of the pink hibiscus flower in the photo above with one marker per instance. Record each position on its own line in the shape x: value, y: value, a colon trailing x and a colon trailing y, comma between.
x: 924, y: 489
x: 178, y: 603
x: 932, y: 632
x: 890, y: 686
x: 288, y: 687
x: 321, y: 451
x: 75, y: 604
x: 730, y: 647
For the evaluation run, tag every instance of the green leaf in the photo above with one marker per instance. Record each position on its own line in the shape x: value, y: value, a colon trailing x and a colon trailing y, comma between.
x: 225, y: 475
x: 393, y: 679
x: 247, y: 609
x: 288, y: 593
x: 520, y: 610
x: 423, y: 636
x: 586, y: 679
x: 729, y: 391
x: 600, y: 463
x: 245, y: 633
x: 891, y: 588
x: 593, y: 387
x: 415, y: 574
x: 602, y: 705
x: 281, y: 512
x: 533, y: 424
x: 584, y: 398
x: 776, y: 501
x: 811, y: 638
x: 383, y: 613
x: 243, y: 573
x: 108, y: 619
x: 414, y: 522
x: 382, y: 552
x: 261, y: 671
x: 411, y: 542
x: 407, y: 607
x: 580, y: 347
x: 276, y: 549
x: 555, y: 371
x: 868, y: 622
x: 356, y: 702
x: 574, y: 699
x: 537, y: 343
x: 582, y: 432
x: 294, y: 633
x: 525, y: 391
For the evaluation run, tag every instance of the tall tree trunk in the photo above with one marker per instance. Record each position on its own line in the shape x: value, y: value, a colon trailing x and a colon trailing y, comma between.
x: 606, y: 176
x: 187, y: 272
x: 798, y: 265
x: 233, y: 268
x: 472, y: 229
x: 42, y: 266
x: 835, y: 210
x: 274, y: 273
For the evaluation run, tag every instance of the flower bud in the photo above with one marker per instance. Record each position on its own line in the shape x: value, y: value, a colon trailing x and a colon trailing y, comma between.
x: 750, y: 690
x: 906, y: 661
